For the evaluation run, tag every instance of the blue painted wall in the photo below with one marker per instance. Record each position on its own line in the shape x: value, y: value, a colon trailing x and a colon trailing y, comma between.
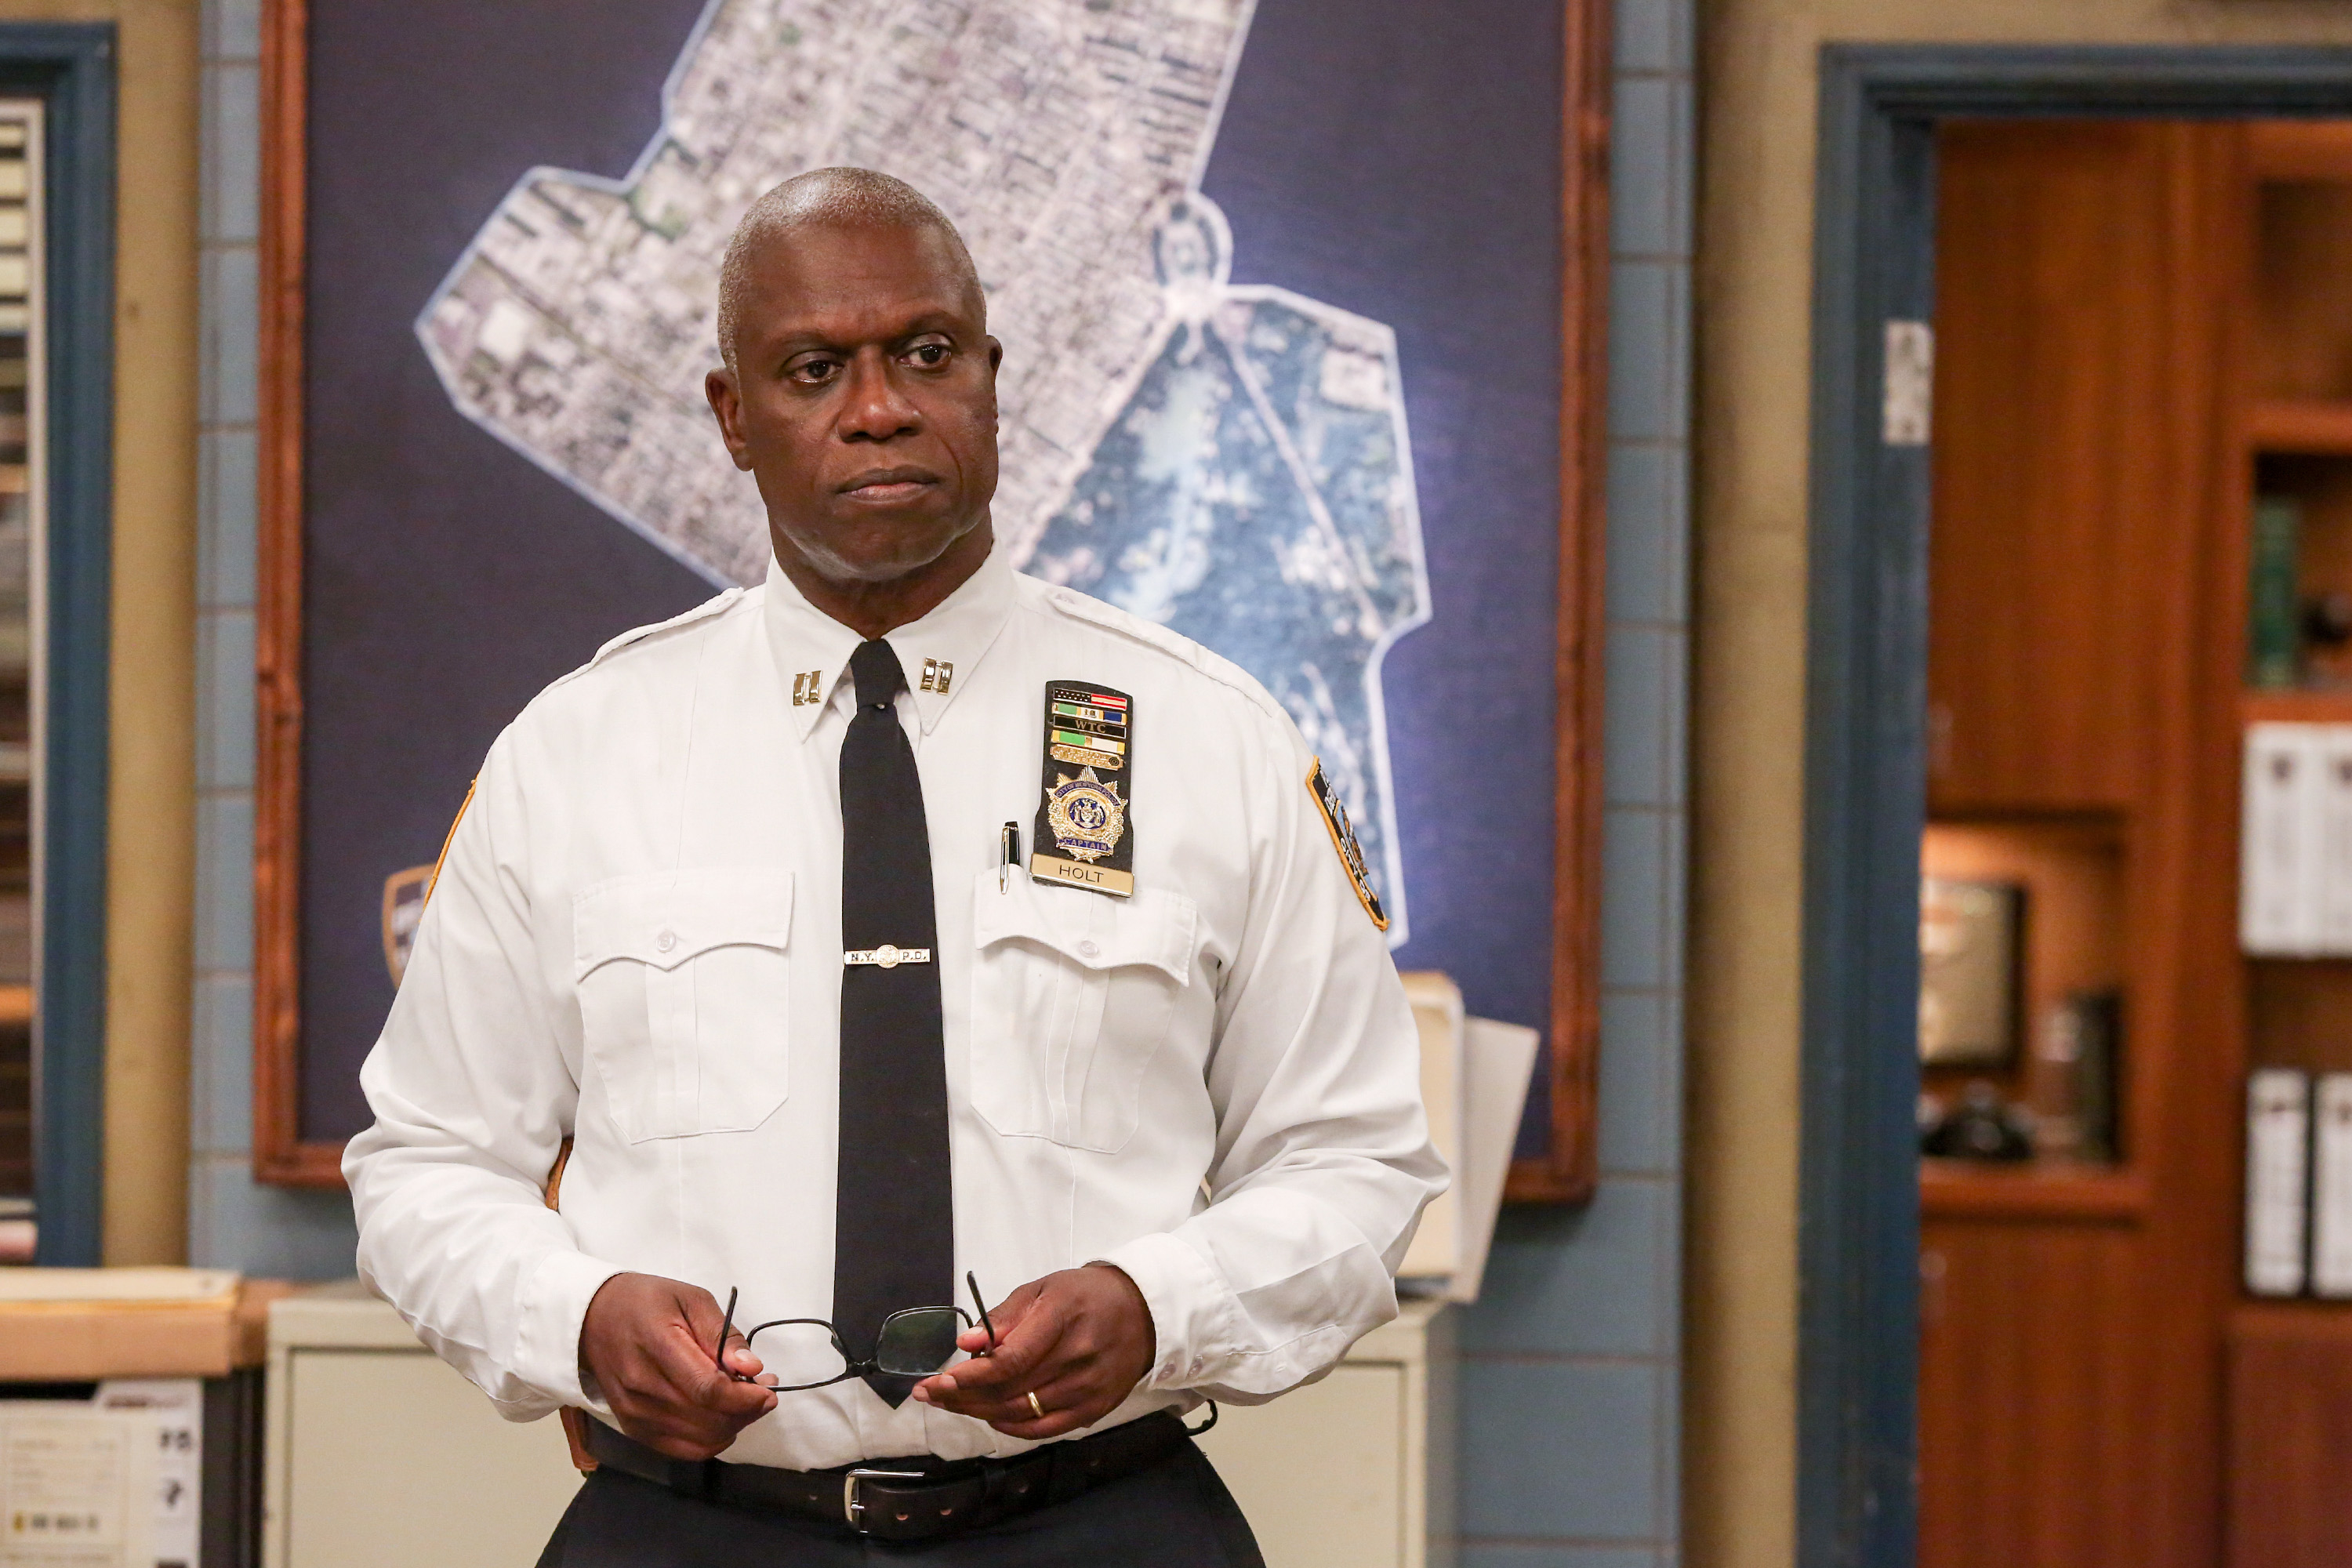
x: 231, y: 1222
x: 1570, y: 1419
x: 1571, y: 1387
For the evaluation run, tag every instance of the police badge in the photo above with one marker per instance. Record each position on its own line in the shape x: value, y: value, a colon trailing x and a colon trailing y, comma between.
x: 1083, y: 816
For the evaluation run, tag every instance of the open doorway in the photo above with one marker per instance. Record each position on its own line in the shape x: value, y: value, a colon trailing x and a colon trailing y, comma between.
x: 2032, y: 657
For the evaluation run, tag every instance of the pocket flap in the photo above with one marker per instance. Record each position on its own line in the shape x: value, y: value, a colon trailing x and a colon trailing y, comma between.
x: 667, y: 917
x: 1154, y: 926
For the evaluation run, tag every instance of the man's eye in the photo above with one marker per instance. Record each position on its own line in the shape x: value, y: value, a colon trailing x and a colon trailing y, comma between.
x: 930, y: 356
x: 814, y: 371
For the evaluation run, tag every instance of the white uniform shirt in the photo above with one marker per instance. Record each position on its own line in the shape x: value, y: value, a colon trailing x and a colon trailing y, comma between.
x: 636, y: 939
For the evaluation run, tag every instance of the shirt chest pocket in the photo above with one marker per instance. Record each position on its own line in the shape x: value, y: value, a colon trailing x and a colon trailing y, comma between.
x: 1072, y: 993
x: 685, y: 987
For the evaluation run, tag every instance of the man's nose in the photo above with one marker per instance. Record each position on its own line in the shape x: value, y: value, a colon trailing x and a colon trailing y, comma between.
x: 878, y: 408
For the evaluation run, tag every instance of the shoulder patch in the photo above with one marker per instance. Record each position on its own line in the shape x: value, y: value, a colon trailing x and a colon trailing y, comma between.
x: 406, y: 892
x: 1343, y: 839
x: 450, y: 838
x: 1175, y: 645
x: 701, y: 612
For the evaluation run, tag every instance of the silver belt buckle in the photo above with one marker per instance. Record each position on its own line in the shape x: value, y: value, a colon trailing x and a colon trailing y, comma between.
x: 852, y: 1508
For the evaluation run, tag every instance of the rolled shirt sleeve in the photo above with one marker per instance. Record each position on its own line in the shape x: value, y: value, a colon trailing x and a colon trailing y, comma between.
x: 1323, y: 1159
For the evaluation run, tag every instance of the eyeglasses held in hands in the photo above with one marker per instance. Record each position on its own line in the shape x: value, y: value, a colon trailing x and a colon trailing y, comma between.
x: 913, y: 1341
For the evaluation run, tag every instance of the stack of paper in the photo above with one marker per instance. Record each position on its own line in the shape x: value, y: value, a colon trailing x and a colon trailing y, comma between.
x: 132, y: 1288
x: 82, y: 1324
x: 1474, y: 1075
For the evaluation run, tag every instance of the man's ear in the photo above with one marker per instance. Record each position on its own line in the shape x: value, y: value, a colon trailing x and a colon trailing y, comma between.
x: 727, y: 407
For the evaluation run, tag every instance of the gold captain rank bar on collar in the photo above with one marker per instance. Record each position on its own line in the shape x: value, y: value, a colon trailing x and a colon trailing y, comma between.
x: 1087, y: 816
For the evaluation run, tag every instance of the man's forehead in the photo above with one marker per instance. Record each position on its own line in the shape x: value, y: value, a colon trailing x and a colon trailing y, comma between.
x: 831, y: 267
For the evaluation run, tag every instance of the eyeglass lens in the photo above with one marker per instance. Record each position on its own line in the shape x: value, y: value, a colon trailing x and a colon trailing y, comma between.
x: 918, y: 1341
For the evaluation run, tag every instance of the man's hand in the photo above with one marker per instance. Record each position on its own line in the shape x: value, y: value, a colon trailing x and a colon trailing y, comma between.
x: 1080, y: 1339
x: 647, y: 1343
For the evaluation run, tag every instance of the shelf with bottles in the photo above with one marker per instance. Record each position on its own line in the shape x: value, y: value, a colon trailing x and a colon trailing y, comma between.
x: 2020, y: 1017
x: 2299, y: 589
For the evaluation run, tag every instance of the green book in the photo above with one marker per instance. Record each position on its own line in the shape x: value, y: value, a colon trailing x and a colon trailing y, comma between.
x: 2270, y: 618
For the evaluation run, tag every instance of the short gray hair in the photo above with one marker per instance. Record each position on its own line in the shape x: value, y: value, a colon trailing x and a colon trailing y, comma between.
x: 840, y: 197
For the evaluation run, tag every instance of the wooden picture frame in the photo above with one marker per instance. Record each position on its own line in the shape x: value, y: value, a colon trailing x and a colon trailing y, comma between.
x: 1564, y: 1173
x: 279, y: 1153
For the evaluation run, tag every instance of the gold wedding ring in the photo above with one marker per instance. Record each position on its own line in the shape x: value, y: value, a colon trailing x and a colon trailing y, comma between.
x: 1035, y: 1407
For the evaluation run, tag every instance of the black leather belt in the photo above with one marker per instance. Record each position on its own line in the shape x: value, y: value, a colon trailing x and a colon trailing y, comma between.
x: 914, y: 1499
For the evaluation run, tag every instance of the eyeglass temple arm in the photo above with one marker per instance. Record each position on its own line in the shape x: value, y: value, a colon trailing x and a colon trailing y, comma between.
x: 719, y: 1356
x: 972, y: 1283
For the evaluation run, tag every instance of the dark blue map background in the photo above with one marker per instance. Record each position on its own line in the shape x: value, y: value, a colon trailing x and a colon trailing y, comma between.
x: 1396, y: 159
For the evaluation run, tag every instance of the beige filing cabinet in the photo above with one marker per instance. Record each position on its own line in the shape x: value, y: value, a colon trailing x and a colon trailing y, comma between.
x: 1356, y: 1471
x: 381, y: 1456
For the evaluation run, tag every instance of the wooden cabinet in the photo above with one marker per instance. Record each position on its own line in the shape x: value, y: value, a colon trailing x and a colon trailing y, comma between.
x: 2086, y: 579
x: 2290, y: 1376
x: 2074, y: 400
x: 381, y: 1456
x: 2022, y: 1356
x: 1356, y: 1471
x: 2140, y: 327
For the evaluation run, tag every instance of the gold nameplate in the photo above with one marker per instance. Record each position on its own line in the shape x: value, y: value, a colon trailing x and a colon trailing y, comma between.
x: 887, y: 956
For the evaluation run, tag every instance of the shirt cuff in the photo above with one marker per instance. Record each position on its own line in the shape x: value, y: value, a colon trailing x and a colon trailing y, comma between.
x: 1192, y: 1310
x: 554, y: 1306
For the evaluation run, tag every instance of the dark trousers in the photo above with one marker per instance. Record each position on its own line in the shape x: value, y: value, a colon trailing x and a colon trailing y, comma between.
x: 1173, y: 1514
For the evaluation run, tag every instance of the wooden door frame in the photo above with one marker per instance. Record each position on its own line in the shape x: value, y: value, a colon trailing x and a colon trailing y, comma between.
x: 1865, y: 760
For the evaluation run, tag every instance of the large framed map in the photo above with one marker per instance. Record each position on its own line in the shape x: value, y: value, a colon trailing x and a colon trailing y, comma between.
x: 1301, y: 303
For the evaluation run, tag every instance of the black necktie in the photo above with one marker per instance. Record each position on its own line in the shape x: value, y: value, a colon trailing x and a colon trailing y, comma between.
x: 894, y: 1218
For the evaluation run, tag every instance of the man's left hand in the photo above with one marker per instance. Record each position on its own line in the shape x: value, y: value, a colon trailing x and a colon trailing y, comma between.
x: 1080, y: 1339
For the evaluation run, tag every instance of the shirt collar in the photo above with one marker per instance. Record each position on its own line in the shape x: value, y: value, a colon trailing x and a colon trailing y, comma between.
x: 939, y: 652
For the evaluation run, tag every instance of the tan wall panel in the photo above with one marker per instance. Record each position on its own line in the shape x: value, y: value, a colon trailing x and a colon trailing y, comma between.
x: 1754, y: 306
x: 152, y: 813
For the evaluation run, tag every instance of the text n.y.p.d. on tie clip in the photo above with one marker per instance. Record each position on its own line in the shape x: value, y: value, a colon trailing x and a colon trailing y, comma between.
x: 887, y: 956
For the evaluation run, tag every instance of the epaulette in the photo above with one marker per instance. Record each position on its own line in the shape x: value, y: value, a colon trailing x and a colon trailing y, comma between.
x: 1176, y: 644
x: 701, y: 612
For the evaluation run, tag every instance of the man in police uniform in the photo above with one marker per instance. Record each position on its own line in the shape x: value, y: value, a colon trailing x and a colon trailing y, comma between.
x: 900, y: 921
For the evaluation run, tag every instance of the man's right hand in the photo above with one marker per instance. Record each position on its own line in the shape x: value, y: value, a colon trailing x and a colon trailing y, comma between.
x: 646, y: 1344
